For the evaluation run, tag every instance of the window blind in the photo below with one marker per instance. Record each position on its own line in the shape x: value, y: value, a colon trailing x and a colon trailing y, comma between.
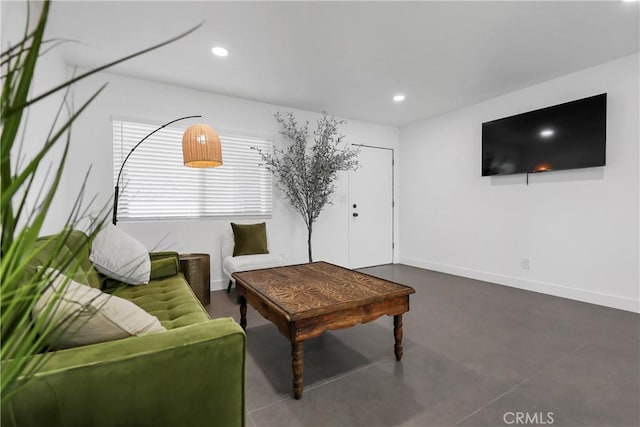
x: 155, y: 184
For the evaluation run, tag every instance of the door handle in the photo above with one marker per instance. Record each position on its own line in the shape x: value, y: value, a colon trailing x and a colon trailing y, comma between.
x: 355, y: 206
x: 355, y: 214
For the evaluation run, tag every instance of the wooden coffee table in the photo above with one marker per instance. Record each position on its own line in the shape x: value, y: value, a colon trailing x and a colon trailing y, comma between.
x: 305, y: 300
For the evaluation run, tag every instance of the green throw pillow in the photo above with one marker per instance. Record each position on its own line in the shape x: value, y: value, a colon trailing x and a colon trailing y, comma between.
x: 250, y: 239
x: 163, y: 267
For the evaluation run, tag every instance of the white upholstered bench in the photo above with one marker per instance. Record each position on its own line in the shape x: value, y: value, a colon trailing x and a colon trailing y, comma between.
x: 231, y: 264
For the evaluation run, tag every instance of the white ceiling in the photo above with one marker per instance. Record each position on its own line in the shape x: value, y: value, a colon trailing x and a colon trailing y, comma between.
x: 350, y: 58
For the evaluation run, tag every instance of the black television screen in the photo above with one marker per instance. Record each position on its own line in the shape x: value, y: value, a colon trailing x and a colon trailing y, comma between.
x: 566, y: 136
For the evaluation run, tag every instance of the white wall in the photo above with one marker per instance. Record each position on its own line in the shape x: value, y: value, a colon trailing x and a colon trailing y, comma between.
x: 578, y: 227
x: 139, y: 99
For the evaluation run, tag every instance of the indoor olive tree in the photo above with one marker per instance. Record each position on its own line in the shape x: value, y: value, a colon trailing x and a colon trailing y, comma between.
x: 306, y: 171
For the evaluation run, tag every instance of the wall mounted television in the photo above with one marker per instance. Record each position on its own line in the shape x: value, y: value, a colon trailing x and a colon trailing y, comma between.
x: 566, y: 136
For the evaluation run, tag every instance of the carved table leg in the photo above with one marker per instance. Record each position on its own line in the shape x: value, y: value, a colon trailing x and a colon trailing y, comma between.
x: 397, y: 333
x: 297, y: 360
x: 243, y: 312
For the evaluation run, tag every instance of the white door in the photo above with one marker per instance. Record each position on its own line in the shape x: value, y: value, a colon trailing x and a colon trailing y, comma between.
x: 371, y: 208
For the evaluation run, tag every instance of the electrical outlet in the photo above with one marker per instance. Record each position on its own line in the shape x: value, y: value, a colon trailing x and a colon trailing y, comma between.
x: 525, y: 263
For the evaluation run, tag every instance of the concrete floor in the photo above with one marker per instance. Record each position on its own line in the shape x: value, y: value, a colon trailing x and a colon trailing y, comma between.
x: 475, y: 354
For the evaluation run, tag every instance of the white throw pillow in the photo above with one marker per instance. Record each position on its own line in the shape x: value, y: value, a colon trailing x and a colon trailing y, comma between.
x: 83, y: 315
x: 116, y: 254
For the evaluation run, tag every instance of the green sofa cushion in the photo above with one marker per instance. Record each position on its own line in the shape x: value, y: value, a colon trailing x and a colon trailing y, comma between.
x: 170, y: 299
x: 250, y: 239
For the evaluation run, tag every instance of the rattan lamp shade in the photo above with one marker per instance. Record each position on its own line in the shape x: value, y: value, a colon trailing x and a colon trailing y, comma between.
x: 201, y: 147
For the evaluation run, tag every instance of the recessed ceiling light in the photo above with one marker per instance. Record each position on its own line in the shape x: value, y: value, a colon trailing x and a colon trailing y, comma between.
x: 629, y: 1
x: 219, y: 51
x: 398, y: 98
x: 546, y: 133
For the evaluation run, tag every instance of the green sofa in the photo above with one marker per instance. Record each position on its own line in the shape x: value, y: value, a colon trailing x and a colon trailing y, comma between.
x: 191, y: 375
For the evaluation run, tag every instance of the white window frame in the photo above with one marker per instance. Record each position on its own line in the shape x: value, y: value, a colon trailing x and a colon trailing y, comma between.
x: 155, y: 184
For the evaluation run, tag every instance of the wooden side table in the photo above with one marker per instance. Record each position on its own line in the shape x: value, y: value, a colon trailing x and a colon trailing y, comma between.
x: 196, y: 270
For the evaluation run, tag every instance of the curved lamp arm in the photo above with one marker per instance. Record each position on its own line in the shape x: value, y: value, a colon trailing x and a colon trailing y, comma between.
x: 117, y: 189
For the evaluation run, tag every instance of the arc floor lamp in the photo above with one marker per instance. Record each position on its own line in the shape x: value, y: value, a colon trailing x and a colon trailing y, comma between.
x: 200, y: 149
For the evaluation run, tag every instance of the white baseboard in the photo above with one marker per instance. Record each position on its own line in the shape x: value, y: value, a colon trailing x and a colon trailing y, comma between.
x: 216, y: 285
x: 607, y: 300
